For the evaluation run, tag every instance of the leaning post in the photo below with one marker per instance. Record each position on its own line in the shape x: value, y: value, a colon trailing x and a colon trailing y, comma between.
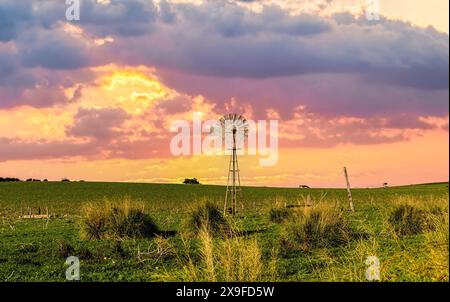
x: 349, y: 192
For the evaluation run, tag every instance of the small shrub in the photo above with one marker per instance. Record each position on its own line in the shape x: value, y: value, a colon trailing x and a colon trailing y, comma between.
x: 65, y: 249
x: 131, y: 223
x: 94, y: 223
x: 116, y: 222
x: 209, y: 216
x: 324, y: 226
x: 408, y: 220
x: 279, y: 215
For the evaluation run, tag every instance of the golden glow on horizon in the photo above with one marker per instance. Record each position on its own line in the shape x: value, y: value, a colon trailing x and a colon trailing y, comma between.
x: 400, y: 163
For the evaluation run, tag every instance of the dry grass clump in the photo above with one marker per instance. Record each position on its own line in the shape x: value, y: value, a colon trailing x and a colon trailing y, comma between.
x: 208, y: 216
x: 406, y: 219
x: 116, y: 221
x: 231, y: 259
x: 412, y: 216
x: 325, y: 225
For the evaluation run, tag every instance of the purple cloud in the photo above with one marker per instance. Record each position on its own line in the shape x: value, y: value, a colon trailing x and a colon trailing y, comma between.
x: 100, y: 124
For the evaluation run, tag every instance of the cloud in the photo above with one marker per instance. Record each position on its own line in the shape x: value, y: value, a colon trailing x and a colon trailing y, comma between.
x: 14, y: 18
x: 7, y: 66
x: 11, y: 149
x: 227, y: 40
x: 40, y: 87
x: 97, y: 126
x: 231, y: 20
x: 307, y: 129
x: 219, y: 39
x: 52, y: 50
x: 382, y: 77
x: 326, y: 94
x: 100, y: 124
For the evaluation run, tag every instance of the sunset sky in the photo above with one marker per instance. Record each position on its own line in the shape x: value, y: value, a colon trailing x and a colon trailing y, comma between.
x: 94, y: 99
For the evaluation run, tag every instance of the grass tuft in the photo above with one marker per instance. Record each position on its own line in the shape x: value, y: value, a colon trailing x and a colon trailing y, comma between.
x: 116, y: 221
x: 230, y: 259
x: 407, y: 219
x: 323, y: 226
x: 209, y: 216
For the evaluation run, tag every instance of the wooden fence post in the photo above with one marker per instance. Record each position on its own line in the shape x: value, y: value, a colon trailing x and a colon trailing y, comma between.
x: 349, y: 192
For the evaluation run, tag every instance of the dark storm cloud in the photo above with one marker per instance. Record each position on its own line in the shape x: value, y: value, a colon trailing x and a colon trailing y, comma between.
x: 127, y: 18
x: 225, y: 40
x: 337, y: 65
x: 230, y: 20
x: 391, y: 52
x: 7, y: 63
x: 14, y: 17
x: 54, y: 50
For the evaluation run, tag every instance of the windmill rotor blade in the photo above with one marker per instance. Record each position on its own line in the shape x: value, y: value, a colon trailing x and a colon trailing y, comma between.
x: 238, y: 122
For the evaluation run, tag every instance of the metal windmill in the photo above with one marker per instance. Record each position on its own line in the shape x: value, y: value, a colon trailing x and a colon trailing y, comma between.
x: 236, y: 126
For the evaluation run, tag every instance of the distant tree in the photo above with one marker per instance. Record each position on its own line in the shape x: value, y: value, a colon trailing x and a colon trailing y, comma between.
x: 46, y: 179
x: 191, y: 181
x: 303, y: 186
x: 385, y: 185
x: 29, y: 179
x: 8, y: 179
x: 65, y: 179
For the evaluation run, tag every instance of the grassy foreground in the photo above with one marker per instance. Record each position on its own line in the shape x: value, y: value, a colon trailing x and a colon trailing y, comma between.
x: 277, y: 238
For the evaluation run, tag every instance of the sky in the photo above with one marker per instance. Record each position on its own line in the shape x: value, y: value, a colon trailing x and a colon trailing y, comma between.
x: 95, y: 98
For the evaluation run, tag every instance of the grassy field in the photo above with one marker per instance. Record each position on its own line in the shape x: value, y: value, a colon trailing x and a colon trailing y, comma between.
x: 264, y: 249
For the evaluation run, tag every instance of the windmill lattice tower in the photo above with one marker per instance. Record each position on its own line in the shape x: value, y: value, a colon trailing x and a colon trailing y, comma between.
x: 238, y: 124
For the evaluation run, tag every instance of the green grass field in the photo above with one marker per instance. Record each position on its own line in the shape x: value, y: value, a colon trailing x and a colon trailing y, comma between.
x: 35, y: 249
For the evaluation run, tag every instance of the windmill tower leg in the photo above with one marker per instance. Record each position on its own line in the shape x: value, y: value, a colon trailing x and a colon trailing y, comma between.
x: 228, y: 186
x: 234, y: 183
x: 234, y: 180
x: 238, y: 185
